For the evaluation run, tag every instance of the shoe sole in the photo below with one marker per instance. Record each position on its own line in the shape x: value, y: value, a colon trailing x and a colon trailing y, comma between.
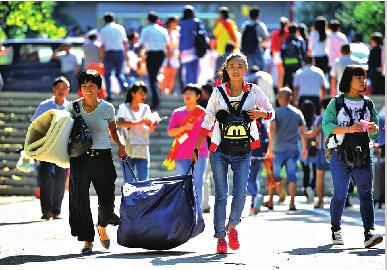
x: 374, y: 241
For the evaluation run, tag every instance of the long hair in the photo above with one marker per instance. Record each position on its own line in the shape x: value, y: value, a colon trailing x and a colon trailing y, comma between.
x: 140, y: 85
x: 222, y: 72
x: 320, y: 25
x: 308, y: 110
x: 303, y: 32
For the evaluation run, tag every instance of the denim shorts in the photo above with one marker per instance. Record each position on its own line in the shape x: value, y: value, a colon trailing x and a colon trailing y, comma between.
x: 289, y: 159
x: 321, y: 162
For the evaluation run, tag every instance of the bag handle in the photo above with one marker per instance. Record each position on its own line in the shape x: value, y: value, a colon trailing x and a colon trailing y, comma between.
x: 191, y: 169
x: 125, y: 160
x: 76, y: 108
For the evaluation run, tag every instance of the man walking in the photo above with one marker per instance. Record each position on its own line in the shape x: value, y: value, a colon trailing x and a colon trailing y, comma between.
x: 114, y: 51
x: 154, y: 38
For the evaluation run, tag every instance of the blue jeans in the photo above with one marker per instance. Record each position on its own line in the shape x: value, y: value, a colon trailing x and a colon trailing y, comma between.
x: 240, y: 165
x: 363, y: 179
x: 114, y: 60
x: 289, y: 159
x: 253, y: 183
x: 182, y: 166
x: 255, y: 59
x: 191, y: 71
x: 140, y: 167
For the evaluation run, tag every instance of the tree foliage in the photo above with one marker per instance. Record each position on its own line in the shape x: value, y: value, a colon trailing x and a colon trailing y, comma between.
x: 19, y: 19
x: 364, y: 17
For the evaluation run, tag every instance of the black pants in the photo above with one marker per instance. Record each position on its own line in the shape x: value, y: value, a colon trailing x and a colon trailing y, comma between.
x: 314, y: 99
x: 154, y: 60
x: 306, y: 169
x: 52, y: 185
x: 377, y: 81
x: 98, y: 169
x: 289, y: 75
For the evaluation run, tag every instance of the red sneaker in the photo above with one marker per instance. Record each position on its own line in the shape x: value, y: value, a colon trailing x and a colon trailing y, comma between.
x: 233, y: 241
x: 221, y: 247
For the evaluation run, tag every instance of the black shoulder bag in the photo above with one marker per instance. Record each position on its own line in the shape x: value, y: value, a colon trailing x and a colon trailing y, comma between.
x: 80, y: 137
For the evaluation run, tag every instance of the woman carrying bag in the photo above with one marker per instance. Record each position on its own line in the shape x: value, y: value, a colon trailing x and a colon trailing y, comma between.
x: 95, y: 165
x: 233, y: 107
x: 349, y: 122
x: 134, y: 118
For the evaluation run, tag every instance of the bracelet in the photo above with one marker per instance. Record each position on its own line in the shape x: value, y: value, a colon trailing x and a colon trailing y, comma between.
x: 196, y: 151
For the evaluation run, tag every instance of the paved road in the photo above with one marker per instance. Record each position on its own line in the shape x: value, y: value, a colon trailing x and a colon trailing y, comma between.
x: 272, y: 240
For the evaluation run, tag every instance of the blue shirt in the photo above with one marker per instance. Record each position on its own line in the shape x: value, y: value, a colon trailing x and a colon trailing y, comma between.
x: 287, y: 119
x: 188, y: 32
x: 46, y: 105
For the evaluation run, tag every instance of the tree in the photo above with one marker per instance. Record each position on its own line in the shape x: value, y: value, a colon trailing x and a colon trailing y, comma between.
x: 306, y: 12
x: 365, y: 17
x: 28, y: 19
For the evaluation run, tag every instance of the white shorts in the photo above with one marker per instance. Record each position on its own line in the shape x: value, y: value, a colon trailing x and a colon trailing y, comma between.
x: 277, y: 58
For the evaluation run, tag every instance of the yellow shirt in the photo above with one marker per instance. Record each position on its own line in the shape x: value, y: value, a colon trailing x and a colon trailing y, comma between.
x: 223, y: 37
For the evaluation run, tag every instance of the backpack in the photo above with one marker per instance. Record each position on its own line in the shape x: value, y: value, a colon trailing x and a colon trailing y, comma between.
x: 200, y: 42
x: 250, y: 40
x: 312, y: 146
x: 234, y: 127
x: 292, y: 52
x: 354, y: 151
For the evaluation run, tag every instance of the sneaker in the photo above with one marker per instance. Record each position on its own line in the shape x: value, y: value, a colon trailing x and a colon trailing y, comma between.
x: 319, y: 204
x: 337, y: 239
x: 268, y: 205
x: 258, y: 202
x: 221, y: 247
x: 233, y: 241
x: 207, y: 210
x: 371, y: 239
x: 47, y: 216
x: 310, y: 194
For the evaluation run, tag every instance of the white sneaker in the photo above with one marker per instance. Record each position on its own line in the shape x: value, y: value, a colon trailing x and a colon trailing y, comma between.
x: 310, y: 194
x: 337, y: 239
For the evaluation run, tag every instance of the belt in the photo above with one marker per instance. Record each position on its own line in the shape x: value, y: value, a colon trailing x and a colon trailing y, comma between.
x: 98, y: 152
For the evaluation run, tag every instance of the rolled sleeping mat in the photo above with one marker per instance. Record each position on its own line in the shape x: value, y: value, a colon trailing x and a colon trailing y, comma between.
x: 47, y: 137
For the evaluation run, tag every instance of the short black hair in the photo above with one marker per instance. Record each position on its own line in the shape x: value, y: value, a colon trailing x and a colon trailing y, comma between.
x: 192, y: 87
x: 254, y: 13
x: 60, y: 79
x: 108, y: 17
x: 90, y: 75
x: 139, y: 85
x: 208, y: 88
x: 153, y: 16
x: 378, y: 38
x: 225, y: 12
x: 309, y: 60
x: 349, y: 72
x: 188, y: 12
x: 345, y: 49
x: 334, y: 25
x: 293, y: 27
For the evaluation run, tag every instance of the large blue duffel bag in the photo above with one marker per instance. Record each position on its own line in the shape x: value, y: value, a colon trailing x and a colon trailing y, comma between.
x: 159, y: 214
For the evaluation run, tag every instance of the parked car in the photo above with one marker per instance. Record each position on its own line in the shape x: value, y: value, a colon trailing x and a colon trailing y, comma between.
x: 27, y: 65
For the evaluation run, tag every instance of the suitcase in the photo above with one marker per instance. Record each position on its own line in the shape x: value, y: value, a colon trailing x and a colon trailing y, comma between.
x: 379, y: 179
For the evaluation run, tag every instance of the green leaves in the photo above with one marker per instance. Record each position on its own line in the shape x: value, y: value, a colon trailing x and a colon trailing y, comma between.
x: 28, y: 19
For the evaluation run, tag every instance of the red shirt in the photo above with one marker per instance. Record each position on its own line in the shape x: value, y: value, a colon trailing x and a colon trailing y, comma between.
x: 277, y: 39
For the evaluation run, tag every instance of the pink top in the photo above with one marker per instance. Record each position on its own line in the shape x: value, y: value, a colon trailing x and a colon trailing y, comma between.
x: 185, y: 150
x: 277, y: 39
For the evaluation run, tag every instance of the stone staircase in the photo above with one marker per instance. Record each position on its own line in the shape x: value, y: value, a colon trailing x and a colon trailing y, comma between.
x: 16, y: 109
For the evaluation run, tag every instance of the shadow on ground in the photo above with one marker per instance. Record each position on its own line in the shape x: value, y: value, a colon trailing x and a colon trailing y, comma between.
x: 22, y: 259
x: 331, y: 249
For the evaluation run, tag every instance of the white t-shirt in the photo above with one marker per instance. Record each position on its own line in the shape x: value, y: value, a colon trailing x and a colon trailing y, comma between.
x: 68, y: 62
x: 334, y: 42
x: 140, y: 133
x: 154, y: 37
x: 318, y: 48
x: 310, y: 79
x: 112, y: 36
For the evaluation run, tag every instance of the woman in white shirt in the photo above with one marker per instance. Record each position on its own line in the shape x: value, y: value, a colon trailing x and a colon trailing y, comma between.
x: 134, y: 120
x: 242, y: 98
x: 318, y: 44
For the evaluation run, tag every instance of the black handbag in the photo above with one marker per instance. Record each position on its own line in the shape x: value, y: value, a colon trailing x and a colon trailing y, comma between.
x: 80, y: 137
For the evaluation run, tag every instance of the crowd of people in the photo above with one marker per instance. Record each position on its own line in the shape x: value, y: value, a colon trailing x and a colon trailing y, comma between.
x: 251, y: 98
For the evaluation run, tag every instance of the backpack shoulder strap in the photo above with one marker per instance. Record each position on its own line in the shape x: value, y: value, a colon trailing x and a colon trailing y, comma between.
x: 243, y: 100
x: 230, y: 107
x: 339, y: 103
x: 367, y: 104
